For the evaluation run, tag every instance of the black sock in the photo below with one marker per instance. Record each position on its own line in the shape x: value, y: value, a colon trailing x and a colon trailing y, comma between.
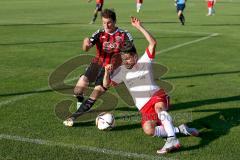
x: 86, y: 106
x: 80, y: 97
x: 181, y: 18
x: 94, y: 17
x: 89, y: 102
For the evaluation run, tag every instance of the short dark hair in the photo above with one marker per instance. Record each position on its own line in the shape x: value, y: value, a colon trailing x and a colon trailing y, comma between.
x: 132, y: 51
x: 109, y: 13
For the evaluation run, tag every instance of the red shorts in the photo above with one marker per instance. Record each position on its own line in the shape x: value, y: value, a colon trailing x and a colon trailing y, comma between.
x: 148, y: 111
x: 210, y: 4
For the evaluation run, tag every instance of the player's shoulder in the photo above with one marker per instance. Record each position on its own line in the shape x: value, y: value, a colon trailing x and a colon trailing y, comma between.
x: 146, y: 57
x: 117, y: 72
x: 123, y: 31
x: 99, y: 31
x: 120, y: 69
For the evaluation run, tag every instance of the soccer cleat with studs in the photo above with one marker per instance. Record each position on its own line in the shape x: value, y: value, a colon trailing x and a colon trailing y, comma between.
x: 171, y: 144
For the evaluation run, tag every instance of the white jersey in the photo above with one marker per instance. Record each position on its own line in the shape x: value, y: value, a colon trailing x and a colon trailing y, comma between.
x: 139, y: 80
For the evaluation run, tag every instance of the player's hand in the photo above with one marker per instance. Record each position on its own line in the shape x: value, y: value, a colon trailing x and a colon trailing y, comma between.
x: 87, y: 41
x: 109, y: 68
x: 135, y: 22
x: 87, y: 44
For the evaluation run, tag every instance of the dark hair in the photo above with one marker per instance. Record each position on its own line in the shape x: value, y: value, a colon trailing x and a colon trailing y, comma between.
x: 132, y: 51
x: 109, y: 13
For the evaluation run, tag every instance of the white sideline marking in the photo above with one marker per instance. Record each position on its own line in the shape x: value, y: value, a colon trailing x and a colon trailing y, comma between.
x: 158, y: 52
x: 180, y: 31
x: 81, y: 147
x: 187, y: 43
x: 11, y: 100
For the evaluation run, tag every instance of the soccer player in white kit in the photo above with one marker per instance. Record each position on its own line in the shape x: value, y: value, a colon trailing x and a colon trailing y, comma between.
x: 151, y: 100
x: 210, y: 4
x: 139, y: 5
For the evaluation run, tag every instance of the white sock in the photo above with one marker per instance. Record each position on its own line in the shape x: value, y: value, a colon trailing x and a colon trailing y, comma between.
x: 166, y: 121
x: 160, y: 131
x: 209, y: 11
x: 138, y: 7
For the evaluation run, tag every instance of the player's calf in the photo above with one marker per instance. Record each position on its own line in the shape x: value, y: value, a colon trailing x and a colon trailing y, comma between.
x: 85, y: 107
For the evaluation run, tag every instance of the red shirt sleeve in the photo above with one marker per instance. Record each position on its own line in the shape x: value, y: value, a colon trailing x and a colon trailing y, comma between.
x: 150, y: 55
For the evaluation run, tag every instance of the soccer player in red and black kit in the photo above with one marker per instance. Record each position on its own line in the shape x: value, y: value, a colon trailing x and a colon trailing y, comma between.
x: 99, y: 5
x: 109, y: 42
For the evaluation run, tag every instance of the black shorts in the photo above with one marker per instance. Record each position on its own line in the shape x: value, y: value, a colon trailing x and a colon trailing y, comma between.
x: 99, y: 6
x: 180, y: 7
x: 95, y: 74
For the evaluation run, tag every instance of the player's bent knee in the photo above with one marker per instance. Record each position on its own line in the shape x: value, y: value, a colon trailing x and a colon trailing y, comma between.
x: 149, y: 132
x: 99, y: 88
x: 160, y: 106
x: 83, y: 79
x: 179, y: 13
x: 81, y: 85
x: 78, y: 90
x: 148, y: 129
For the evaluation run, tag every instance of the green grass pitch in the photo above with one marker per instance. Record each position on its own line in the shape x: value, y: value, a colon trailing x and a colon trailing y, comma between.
x: 203, y: 66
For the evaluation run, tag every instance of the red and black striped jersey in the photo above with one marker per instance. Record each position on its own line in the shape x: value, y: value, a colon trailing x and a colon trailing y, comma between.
x: 109, y: 45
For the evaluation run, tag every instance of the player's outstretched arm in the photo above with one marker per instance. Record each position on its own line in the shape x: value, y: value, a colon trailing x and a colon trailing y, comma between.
x: 106, y: 78
x: 86, y: 44
x: 151, y: 40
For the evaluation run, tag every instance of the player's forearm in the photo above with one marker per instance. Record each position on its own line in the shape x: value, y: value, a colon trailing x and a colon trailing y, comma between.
x: 106, y: 80
x: 151, y: 40
x: 86, y: 44
x: 85, y: 48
